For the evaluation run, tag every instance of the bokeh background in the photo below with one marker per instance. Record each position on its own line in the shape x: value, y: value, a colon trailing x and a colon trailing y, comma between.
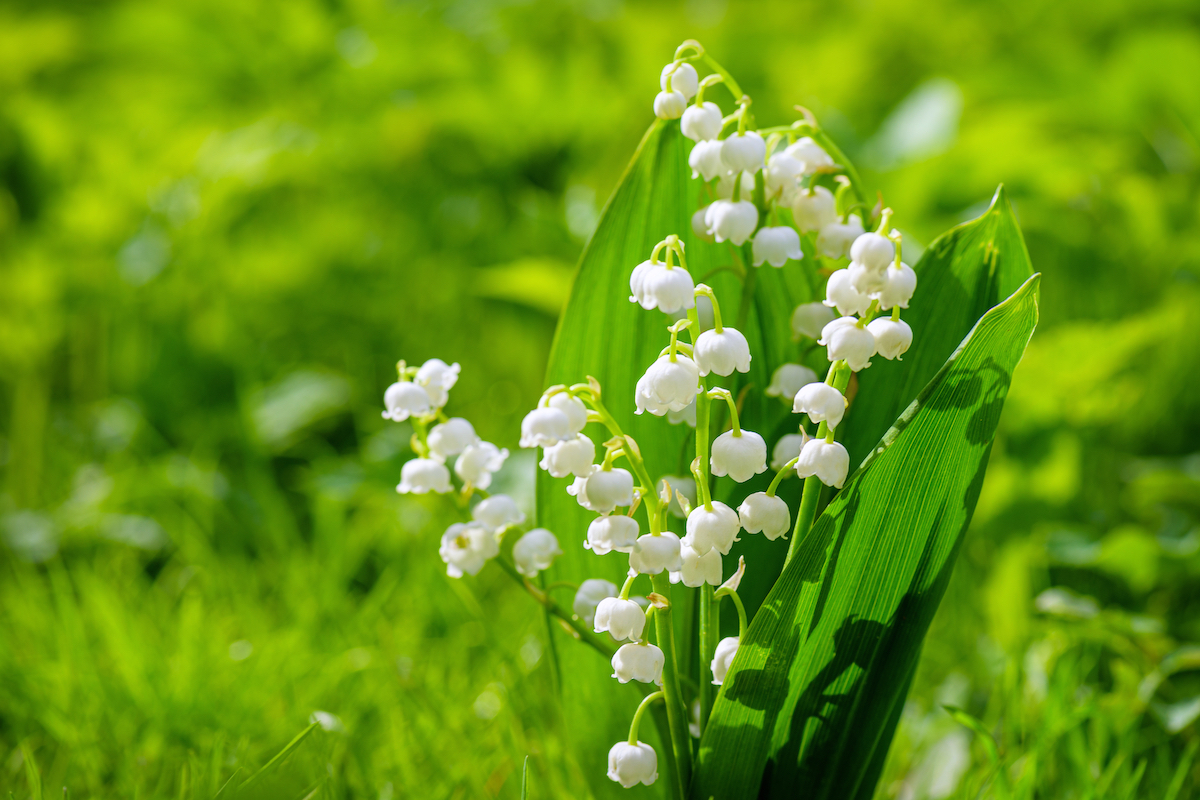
x: 222, y: 222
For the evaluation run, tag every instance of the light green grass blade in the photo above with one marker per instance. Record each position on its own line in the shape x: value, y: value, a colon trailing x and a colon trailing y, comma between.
x: 279, y: 758
x: 813, y: 689
x: 32, y: 774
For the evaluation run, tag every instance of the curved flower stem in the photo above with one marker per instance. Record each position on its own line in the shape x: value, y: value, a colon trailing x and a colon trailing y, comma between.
x: 681, y: 741
x: 779, y: 476
x: 716, y: 67
x: 578, y: 629
x: 637, y: 715
x: 631, y: 454
x: 721, y: 393
x: 708, y: 631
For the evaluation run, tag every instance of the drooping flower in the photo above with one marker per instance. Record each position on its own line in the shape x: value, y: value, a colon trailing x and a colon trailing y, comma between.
x: 573, y: 407
x: 590, y: 593
x: 406, y: 399
x: 578, y: 488
x: 873, y: 250
x: 653, y: 554
x: 631, y: 764
x: 608, y: 488
x: 623, y: 619
x: 835, y: 239
x: 844, y: 339
x: 821, y: 402
x: 451, y: 437
x: 705, y: 160
x: 780, y: 176
x: 814, y: 209
x: 721, y: 352
x: 669, y: 105
x: 437, y: 378
x: 681, y: 78
x: 655, y: 285
x: 722, y: 658
x: 841, y: 294
x: 477, y: 463
x: 893, y: 337
x: 809, y: 318
x: 776, y: 245
x: 535, y: 551
x: 544, y: 427
x: 698, y: 569
x: 740, y: 457
x: 570, y: 456
x: 787, y: 448
x: 763, y: 513
x: 810, y: 154
x: 421, y: 475
x: 638, y: 661
x: 744, y: 152
x: 668, y: 385
x: 731, y: 221
x: 712, y: 530
x: 864, y: 279
x: 612, y: 532
x: 498, y: 511
x: 701, y: 123
x: 787, y: 380
x: 829, y: 461
x: 898, y: 286
x: 466, y: 547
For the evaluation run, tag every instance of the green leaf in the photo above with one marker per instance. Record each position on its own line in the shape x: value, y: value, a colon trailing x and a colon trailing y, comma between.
x: 812, y: 696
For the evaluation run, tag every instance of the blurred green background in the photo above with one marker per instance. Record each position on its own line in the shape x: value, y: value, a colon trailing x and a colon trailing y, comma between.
x: 221, y: 223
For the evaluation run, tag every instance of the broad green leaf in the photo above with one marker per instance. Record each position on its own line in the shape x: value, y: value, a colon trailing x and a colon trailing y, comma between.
x: 812, y: 697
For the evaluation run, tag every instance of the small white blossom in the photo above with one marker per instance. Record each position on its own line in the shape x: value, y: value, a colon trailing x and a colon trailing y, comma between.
x: 740, y: 457
x: 631, y: 764
x: 835, y: 239
x: 768, y: 515
x: 898, y: 286
x: 498, y: 511
x: 874, y: 251
x: 810, y: 154
x: 669, y: 105
x: 809, y: 318
x: 613, y: 532
x: 776, y: 245
x: 841, y: 294
x: 641, y: 661
x: 744, y: 152
x: 787, y: 448
x: 712, y: 530
x: 728, y: 180
x: 683, y: 485
x: 544, y: 427
x: 590, y: 593
x: 700, y: 227
x: 406, y: 399
x: 865, y: 280
x: 623, y: 619
x: 571, y: 456
x: 466, y: 547
x: 682, y: 79
x: 668, y: 385
x: 731, y: 221
x: 535, y: 551
x: 437, y: 378
x: 722, y: 352
x: 701, y: 123
x: 608, y: 488
x: 844, y: 339
x: 722, y: 658
x: 655, y: 285
x: 821, y: 402
x: 477, y: 463
x: 578, y: 488
x: 787, y: 380
x: 687, y: 414
x: 421, y: 475
x: 451, y: 437
x: 654, y: 554
x: 573, y: 407
x: 697, y: 569
x: 829, y: 461
x: 814, y: 209
x: 780, y: 178
x: 893, y: 337
x: 705, y: 160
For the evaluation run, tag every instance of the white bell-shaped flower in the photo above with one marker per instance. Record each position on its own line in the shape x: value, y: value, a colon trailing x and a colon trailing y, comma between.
x: 687, y: 415
x: 498, y: 511
x: 697, y: 569
x: 406, y: 399
x: 705, y: 160
x: 667, y: 385
x: 631, y: 764
x: 874, y: 251
x: 573, y: 456
x: 744, y: 152
x: 578, y: 488
x: 683, y: 485
x: 608, y: 488
x: 821, y: 402
x: 829, y: 461
x: 762, y: 513
x: 810, y: 154
x: 740, y: 457
x: 535, y: 551
x: 421, y: 475
x: 477, y: 463
x: 701, y: 123
x: 722, y: 352
x: 669, y: 105
x: 787, y: 448
x: 682, y: 79
x: 780, y: 177
x: 728, y: 180
x: 844, y: 339
x: 893, y: 337
x: 654, y: 554
x: 623, y: 619
x: 613, y: 532
x: 573, y: 407
x: 655, y: 285
x: 731, y: 221
x: 722, y: 658
x: 787, y: 380
x: 590, y: 593
x: 814, y: 209
x: 544, y: 427
x: 864, y: 279
x: 700, y: 227
x: 712, y: 530
x: 835, y: 239
x: 841, y: 294
x: 898, y: 286
x: 809, y: 318
x: 466, y: 547
x: 776, y: 245
x: 451, y: 437
x: 437, y: 378
x: 638, y: 661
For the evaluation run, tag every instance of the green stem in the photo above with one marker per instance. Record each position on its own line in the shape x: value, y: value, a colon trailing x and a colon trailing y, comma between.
x: 779, y: 476
x: 635, y: 460
x: 581, y: 632
x: 741, y: 612
x: 716, y: 67
x: 707, y: 628
x: 637, y: 715
x: 727, y: 396
x: 676, y: 711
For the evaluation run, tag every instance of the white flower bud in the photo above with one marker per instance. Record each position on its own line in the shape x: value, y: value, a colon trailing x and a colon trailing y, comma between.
x: 712, y: 530
x: 893, y: 337
x: 571, y: 456
x: 700, y: 227
x: 787, y: 448
x: 437, y: 378
x: 642, y: 662
x: 787, y: 380
x: 768, y: 515
x: 722, y: 352
x: 739, y: 457
x: 669, y: 105
x: 654, y: 554
x: 835, y: 239
x: 744, y: 152
x: 655, y: 285
x: 814, y: 209
x: 845, y: 340
x: 705, y: 160
x: 821, y: 402
x: 697, y: 569
x: 829, y: 461
x: 477, y: 463
x: 874, y: 251
x: 810, y: 154
x: 497, y: 511
x: 731, y: 221
x: 623, y: 619
x: 608, y: 488
x: 590, y: 593
x: 898, y: 287
x: 614, y: 532
x: 682, y: 79
x: 780, y: 178
x: 406, y: 399
x: 667, y: 385
x: 809, y: 318
x: 573, y: 407
x: 544, y: 427
x: 776, y: 245
x: 701, y: 123
x: 631, y: 764
x: 685, y: 415
x: 451, y: 437
x: 841, y: 294
x: 722, y: 658
x: 683, y: 485
x: 535, y: 551
x: 421, y: 475
x: 726, y: 183
x: 466, y: 547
